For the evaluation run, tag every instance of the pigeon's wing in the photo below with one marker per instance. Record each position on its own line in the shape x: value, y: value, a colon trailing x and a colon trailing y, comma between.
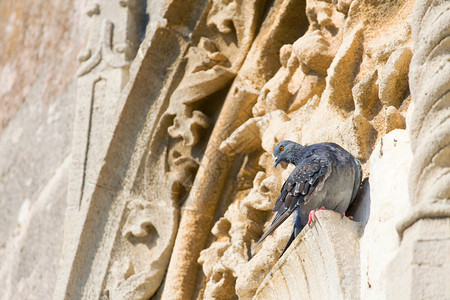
x: 299, y: 187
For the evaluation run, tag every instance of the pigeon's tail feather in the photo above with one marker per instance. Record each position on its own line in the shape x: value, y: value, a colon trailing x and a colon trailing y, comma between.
x: 291, y: 239
x: 280, y: 218
x: 298, y: 226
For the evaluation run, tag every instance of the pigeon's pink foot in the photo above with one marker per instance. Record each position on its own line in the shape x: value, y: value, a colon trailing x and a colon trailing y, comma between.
x: 312, y: 214
x: 343, y: 215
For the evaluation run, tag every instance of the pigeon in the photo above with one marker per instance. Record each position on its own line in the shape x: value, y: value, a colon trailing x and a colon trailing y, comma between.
x: 326, y: 176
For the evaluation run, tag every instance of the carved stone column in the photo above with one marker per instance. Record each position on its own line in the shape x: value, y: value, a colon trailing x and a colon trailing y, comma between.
x: 422, y: 266
x: 102, y: 74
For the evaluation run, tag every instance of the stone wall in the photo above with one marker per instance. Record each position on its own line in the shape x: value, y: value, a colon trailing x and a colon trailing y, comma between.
x: 170, y: 181
x: 39, y: 44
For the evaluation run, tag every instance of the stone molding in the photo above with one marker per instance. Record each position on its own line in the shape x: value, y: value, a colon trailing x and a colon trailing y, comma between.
x: 423, y: 257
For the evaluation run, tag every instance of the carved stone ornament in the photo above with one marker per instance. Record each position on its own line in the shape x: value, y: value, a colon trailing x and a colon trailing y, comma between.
x: 173, y: 179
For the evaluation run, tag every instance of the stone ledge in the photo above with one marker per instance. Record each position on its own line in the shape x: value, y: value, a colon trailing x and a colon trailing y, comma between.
x: 322, y: 263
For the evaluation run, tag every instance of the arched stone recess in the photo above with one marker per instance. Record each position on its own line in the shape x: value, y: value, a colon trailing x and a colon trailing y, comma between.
x: 140, y: 154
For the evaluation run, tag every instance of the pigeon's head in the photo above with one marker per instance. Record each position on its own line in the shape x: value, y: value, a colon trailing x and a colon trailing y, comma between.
x: 285, y: 151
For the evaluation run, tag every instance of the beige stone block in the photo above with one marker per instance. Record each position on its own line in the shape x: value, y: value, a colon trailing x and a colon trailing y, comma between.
x: 320, y: 264
x: 389, y: 203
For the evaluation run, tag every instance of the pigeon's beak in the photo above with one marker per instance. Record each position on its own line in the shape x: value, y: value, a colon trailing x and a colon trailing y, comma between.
x: 276, y: 162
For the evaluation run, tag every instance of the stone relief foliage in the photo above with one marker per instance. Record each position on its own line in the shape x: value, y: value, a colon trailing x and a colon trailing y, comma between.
x: 334, y: 84
x: 225, y: 263
x: 117, y: 55
x: 207, y: 71
x: 175, y: 152
x: 112, y: 56
x: 210, y: 66
x: 305, y: 63
x: 183, y: 169
x: 133, y: 276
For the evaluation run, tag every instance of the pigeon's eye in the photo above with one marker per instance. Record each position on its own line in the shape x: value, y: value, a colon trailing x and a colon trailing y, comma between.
x: 281, y: 148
